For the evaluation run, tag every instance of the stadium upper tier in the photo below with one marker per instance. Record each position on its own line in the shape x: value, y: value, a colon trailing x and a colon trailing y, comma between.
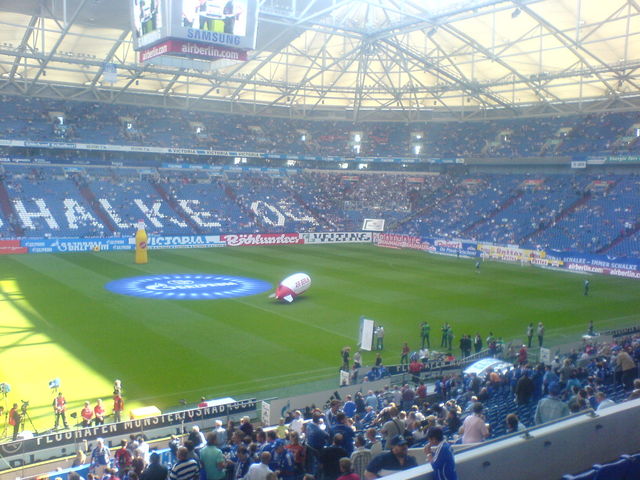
x: 53, y: 120
x: 588, y: 213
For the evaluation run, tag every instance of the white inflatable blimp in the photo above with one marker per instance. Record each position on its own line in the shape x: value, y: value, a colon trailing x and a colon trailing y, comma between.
x: 292, y: 286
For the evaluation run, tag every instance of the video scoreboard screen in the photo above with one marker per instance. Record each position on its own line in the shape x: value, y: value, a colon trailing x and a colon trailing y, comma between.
x: 219, y: 23
x: 149, y: 20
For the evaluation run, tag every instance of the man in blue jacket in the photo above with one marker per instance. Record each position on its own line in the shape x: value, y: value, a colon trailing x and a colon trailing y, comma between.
x: 440, y: 456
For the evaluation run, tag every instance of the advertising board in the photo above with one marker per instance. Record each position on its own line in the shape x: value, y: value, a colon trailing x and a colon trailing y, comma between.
x: 395, y: 240
x: 336, y: 237
x: 255, y: 239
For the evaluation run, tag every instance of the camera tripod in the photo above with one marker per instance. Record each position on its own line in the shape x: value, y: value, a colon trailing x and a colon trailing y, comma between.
x: 4, y: 412
x: 24, y: 414
x: 5, y: 425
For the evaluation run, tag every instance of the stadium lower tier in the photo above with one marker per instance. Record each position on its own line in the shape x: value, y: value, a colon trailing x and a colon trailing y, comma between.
x: 565, y: 212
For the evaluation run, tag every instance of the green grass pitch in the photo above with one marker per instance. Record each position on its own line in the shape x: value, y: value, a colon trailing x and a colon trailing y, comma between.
x: 57, y: 320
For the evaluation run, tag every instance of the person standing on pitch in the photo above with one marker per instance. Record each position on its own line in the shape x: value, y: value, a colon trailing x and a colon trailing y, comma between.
x: 118, y: 406
x: 530, y: 334
x: 14, y: 420
x: 477, y: 343
x: 346, y: 352
x: 540, y: 333
x: 586, y: 287
x: 443, y: 330
x: 449, y: 338
x: 59, y: 408
x: 357, y: 359
x: 404, y: 356
x: 379, y: 337
x: 425, y: 331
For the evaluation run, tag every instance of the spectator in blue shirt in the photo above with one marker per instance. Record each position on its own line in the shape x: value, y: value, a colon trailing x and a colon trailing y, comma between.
x: 346, y: 430
x: 349, y: 407
x: 440, y: 456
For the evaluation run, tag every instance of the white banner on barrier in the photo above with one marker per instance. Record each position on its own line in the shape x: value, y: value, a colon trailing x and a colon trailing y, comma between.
x: 265, y: 413
x: 373, y: 224
x: 365, y: 340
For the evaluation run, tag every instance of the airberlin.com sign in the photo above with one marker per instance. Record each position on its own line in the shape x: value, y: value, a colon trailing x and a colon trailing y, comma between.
x: 183, y: 48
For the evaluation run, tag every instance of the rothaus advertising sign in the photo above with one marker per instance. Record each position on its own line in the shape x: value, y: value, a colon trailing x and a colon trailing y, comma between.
x: 257, y: 239
x: 394, y: 240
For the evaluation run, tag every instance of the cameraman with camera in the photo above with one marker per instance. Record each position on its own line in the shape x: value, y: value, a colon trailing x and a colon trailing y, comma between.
x: 59, y: 408
x: 14, y: 420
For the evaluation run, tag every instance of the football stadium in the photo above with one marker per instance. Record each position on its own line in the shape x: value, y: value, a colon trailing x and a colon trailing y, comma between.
x: 319, y: 239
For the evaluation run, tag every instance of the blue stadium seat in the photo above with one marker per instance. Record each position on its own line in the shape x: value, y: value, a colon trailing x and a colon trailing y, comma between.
x: 612, y: 471
x: 633, y: 472
x: 588, y: 475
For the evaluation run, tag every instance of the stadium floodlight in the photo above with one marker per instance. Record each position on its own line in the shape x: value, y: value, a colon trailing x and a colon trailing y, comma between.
x: 515, y: 13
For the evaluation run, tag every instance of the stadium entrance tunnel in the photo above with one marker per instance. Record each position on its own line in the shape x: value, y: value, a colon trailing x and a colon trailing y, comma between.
x: 188, y: 286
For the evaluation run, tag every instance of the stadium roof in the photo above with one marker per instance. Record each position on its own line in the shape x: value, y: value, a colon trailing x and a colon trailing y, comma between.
x: 351, y: 59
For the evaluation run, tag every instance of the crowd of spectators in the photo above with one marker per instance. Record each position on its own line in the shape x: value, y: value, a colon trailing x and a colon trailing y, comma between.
x: 364, y: 436
x: 583, y: 213
x: 41, y: 119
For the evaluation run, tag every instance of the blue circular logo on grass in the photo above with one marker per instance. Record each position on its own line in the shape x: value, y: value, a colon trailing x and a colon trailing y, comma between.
x: 188, y: 286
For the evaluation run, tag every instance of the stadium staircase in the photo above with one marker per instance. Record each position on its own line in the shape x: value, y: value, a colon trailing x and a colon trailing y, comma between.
x: 506, y: 204
x: 624, y: 234
x: 173, y: 204
x: 432, y: 202
x: 620, y: 238
x: 7, y: 209
x: 314, y: 211
x: 558, y: 218
x: 229, y: 192
x: 88, y: 195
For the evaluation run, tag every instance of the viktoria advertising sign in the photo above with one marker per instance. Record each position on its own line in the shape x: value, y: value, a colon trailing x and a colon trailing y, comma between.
x: 183, y: 241
x: 55, y: 245
x: 188, y: 287
x: 253, y: 239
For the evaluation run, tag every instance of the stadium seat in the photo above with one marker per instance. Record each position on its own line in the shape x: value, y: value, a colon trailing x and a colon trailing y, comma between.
x: 588, y: 475
x: 633, y: 471
x: 616, y: 470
